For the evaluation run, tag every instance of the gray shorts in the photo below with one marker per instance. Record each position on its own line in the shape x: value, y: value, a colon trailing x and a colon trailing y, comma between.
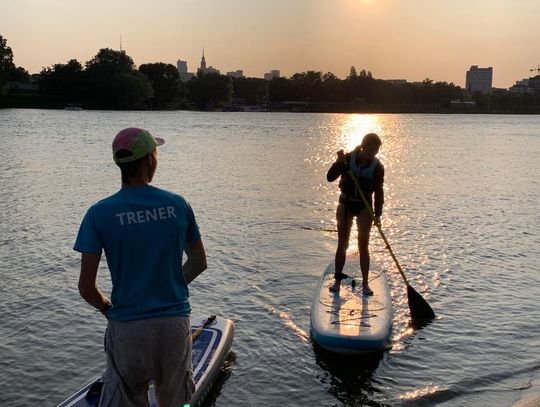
x: 138, y: 352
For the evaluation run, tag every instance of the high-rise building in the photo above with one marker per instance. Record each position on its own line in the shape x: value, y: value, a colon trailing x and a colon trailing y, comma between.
x: 479, y: 79
x: 181, y: 66
x: 274, y: 73
x: 205, y: 69
x: 203, y: 62
x: 183, y: 71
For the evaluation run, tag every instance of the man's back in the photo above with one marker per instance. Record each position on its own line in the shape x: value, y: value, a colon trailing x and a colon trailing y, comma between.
x: 143, y: 231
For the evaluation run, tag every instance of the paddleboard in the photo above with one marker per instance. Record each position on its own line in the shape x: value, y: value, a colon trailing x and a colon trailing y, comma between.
x: 210, y: 349
x: 349, y: 322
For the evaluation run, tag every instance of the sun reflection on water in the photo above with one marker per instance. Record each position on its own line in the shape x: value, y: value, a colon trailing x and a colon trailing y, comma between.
x: 356, y: 126
x: 419, y: 393
x: 286, y: 319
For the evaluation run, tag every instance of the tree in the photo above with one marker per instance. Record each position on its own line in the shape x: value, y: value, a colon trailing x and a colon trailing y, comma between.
x: 329, y: 76
x: 129, y: 90
x: 6, y: 63
x: 111, y: 81
x: 282, y: 89
x: 308, y: 85
x: 252, y: 90
x: 165, y: 81
x: 19, y: 74
x: 109, y: 61
x: 365, y: 74
x: 210, y: 91
x: 64, y: 81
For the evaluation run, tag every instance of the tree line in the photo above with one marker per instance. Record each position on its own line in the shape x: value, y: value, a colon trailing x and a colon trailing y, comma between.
x: 110, y: 80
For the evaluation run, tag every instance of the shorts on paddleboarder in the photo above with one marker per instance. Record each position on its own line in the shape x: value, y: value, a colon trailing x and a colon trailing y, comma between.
x: 154, y: 349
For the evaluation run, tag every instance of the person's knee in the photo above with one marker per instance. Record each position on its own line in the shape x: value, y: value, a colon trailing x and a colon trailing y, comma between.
x: 342, y: 247
x: 363, y: 248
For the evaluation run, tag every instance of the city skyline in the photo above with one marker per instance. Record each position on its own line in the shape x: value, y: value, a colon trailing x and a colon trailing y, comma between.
x: 394, y: 39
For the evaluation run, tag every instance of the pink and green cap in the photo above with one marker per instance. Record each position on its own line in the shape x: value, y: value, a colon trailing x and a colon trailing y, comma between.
x: 138, y: 142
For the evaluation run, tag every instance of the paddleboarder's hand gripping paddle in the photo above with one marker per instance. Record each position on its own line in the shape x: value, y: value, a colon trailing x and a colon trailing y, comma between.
x: 418, y: 306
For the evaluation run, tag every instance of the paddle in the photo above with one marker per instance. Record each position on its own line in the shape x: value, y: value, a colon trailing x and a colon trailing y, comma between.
x: 207, y: 322
x: 418, y: 306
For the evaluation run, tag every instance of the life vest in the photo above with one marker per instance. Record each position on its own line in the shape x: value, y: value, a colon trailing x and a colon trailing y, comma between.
x: 364, y: 175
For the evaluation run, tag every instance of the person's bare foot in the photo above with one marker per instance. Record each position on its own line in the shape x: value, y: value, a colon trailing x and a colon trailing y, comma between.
x: 366, y: 290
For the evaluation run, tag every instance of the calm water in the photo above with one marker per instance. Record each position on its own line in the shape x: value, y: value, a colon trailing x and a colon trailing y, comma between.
x: 462, y: 215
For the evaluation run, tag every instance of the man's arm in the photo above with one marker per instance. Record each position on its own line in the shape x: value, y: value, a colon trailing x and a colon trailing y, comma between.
x: 196, y: 261
x: 87, y: 283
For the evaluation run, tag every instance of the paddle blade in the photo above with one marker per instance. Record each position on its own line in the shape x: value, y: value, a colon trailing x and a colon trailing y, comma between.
x: 419, y: 307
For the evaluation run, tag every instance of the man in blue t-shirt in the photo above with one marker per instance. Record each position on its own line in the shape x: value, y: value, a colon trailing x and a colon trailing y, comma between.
x: 144, y: 232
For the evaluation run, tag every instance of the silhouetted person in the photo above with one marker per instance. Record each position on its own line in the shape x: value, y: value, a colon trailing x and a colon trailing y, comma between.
x: 144, y: 232
x: 369, y: 172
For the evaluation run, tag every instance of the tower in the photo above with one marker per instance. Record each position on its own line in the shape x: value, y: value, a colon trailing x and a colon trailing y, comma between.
x: 203, y: 62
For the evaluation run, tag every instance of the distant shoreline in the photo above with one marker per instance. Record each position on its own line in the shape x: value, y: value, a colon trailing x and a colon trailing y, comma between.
x: 405, y: 109
x: 33, y: 100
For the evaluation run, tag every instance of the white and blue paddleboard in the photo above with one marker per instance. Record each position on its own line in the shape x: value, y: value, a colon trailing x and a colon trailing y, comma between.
x: 211, y: 344
x: 349, y: 322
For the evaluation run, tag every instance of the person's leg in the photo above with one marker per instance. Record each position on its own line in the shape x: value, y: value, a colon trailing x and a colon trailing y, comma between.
x: 364, y: 221
x: 174, y: 386
x: 344, y: 224
x: 125, y: 381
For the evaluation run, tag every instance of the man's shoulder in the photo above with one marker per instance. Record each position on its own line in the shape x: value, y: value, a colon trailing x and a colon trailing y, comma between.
x: 104, y: 202
x: 164, y: 193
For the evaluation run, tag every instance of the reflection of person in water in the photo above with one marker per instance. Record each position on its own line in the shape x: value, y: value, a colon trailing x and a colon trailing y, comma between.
x: 369, y: 172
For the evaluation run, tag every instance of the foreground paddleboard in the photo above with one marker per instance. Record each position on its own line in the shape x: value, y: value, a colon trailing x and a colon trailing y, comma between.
x: 210, y: 349
x: 349, y: 322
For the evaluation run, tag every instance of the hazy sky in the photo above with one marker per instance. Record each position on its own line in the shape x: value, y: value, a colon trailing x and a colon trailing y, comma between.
x: 394, y: 39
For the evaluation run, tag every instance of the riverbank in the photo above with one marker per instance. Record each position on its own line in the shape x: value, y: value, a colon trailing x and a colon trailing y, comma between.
x: 22, y: 101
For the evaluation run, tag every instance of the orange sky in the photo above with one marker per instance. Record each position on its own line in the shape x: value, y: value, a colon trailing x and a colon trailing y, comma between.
x: 394, y: 39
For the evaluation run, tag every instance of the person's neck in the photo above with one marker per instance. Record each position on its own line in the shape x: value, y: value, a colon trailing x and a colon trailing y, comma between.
x: 362, y: 159
x: 135, y: 182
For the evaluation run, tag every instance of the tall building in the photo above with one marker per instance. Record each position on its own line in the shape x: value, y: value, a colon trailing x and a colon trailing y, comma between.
x: 204, y: 69
x: 183, y: 71
x: 239, y: 73
x: 479, y: 79
x: 203, y: 62
x: 181, y: 66
x: 274, y: 73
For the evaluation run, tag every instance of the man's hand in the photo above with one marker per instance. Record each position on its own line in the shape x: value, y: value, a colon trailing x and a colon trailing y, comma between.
x: 377, y: 220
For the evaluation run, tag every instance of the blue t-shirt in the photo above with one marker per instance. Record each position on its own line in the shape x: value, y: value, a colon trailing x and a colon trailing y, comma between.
x: 143, y: 231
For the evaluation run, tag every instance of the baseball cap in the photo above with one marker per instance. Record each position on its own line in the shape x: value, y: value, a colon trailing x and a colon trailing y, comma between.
x: 138, y: 142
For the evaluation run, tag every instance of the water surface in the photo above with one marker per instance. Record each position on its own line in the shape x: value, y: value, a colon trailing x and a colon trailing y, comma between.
x: 461, y: 214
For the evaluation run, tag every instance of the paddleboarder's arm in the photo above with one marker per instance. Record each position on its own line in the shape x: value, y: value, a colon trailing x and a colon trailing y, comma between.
x: 379, y: 191
x: 87, y: 283
x: 338, y: 168
x: 196, y: 261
